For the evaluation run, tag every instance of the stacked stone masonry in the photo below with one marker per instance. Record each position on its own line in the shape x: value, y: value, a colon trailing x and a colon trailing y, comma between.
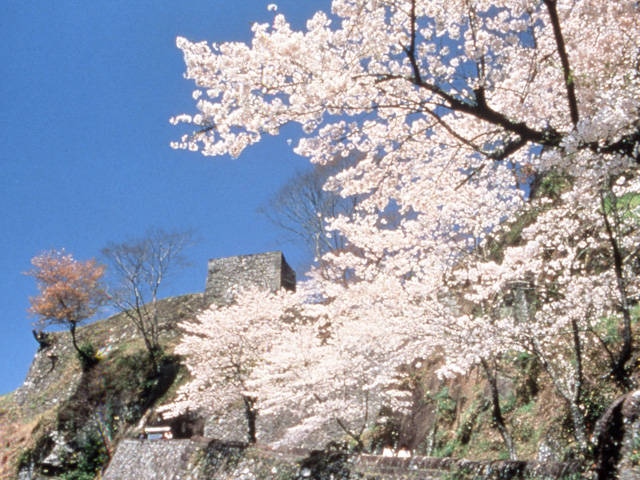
x: 202, y: 458
x: 264, y: 270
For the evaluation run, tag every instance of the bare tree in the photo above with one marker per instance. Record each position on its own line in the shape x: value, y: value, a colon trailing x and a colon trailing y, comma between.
x: 300, y: 208
x: 139, y: 268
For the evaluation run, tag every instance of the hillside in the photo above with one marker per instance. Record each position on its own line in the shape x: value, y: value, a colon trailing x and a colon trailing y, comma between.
x: 59, y: 403
x: 67, y: 423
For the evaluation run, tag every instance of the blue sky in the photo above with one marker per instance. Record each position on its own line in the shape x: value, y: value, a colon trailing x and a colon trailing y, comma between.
x: 86, y: 92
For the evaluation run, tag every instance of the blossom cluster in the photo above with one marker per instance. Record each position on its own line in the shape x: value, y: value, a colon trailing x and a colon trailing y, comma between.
x: 497, y: 182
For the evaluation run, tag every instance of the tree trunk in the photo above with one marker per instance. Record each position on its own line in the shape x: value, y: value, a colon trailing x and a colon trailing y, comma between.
x: 576, y: 412
x: 250, y: 414
x: 72, y: 330
x: 620, y: 370
x: 496, y: 411
x: 570, y: 389
x: 87, y: 356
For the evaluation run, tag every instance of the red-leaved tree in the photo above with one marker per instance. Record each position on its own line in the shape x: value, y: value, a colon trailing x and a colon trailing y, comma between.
x: 70, y: 291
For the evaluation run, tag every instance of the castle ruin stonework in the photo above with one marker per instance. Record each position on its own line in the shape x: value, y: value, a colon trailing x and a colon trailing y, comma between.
x: 267, y: 270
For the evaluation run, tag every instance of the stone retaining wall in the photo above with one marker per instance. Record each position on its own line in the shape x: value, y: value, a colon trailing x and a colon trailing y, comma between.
x: 153, y: 460
x: 202, y: 459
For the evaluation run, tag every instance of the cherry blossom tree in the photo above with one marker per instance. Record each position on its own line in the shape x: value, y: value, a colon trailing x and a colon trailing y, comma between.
x: 280, y: 354
x: 70, y: 291
x: 570, y: 273
x: 458, y: 112
x: 450, y: 105
x: 335, y: 370
x: 224, y: 345
x: 496, y: 81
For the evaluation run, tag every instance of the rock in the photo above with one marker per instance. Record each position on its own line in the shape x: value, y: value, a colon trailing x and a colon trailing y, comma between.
x: 549, y: 448
x: 617, y: 439
x: 60, y: 450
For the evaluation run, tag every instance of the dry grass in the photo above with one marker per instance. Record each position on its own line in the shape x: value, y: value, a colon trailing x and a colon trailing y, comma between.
x: 15, y: 435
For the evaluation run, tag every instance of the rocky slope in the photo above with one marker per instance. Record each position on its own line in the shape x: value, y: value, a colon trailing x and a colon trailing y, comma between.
x: 60, y: 408
x: 67, y: 423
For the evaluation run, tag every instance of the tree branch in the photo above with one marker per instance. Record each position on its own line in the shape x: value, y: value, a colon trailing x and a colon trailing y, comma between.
x: 411, y: 49
x: 564, y: 59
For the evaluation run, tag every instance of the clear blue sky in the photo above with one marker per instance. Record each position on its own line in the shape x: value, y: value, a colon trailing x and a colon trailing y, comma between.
x: 86, y: 92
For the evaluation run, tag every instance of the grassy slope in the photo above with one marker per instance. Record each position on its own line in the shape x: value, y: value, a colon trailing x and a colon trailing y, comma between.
x: 55, y: 383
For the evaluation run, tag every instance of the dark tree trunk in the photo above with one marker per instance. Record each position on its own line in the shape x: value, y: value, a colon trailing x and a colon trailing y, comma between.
x: 620, y: 369
x: 74, y: 340
x: 250, y: 414
x: 496, y: 411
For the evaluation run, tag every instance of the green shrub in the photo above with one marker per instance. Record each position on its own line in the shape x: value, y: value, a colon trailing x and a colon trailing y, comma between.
x: 88, y: 356
x: 445, y: 405
x: 90, y: 454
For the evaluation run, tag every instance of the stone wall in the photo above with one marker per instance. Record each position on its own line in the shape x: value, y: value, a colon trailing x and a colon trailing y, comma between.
x: 202, y: 458
x: 266, y: 270
x: 153, y: 460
